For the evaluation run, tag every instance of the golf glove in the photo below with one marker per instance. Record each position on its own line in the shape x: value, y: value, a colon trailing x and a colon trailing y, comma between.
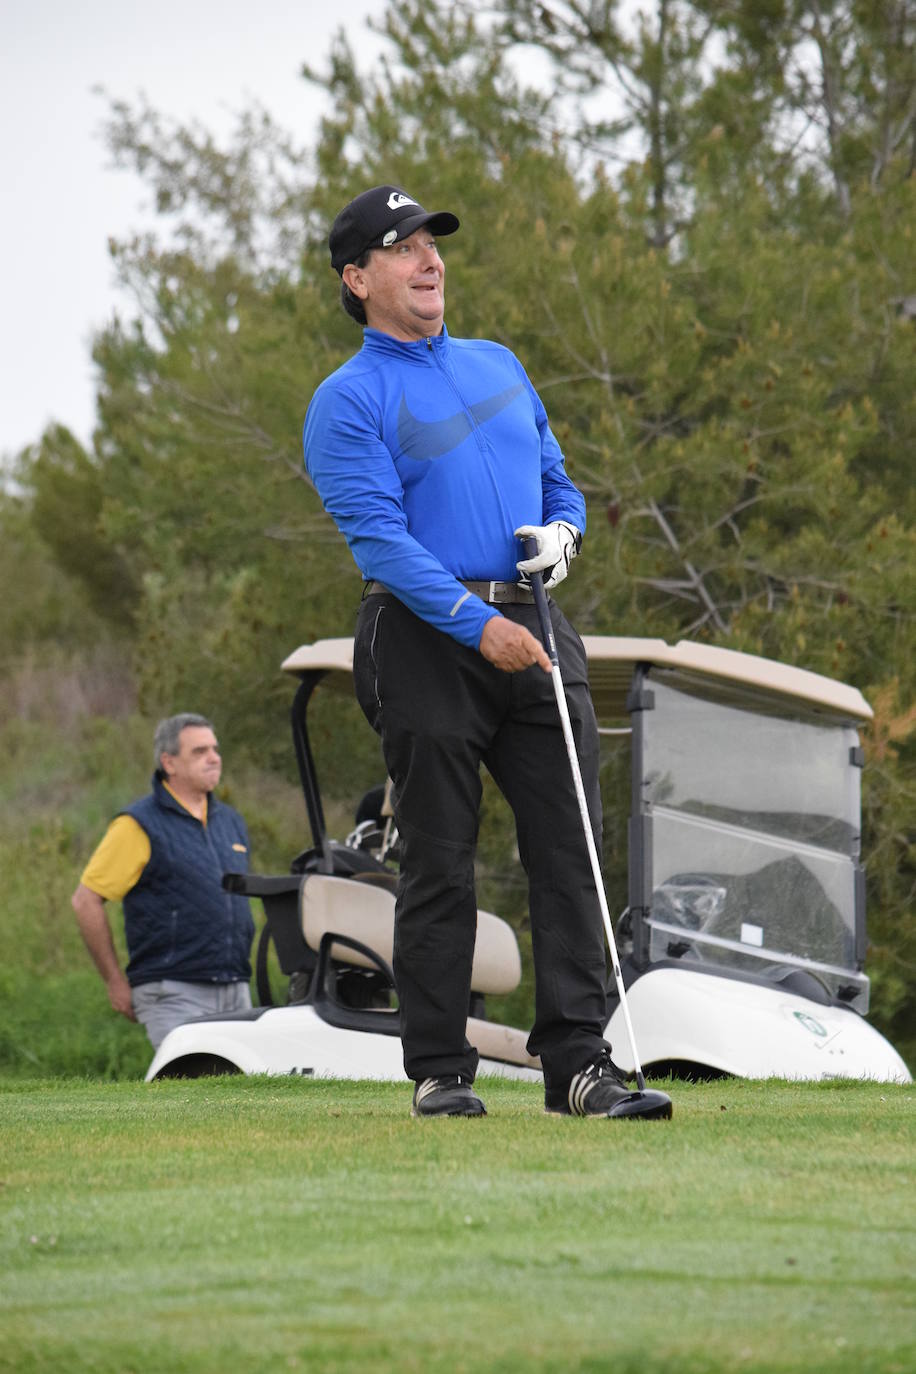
x: 558, y: 544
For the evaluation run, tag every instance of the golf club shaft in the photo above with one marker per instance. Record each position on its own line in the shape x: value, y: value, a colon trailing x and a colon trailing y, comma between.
x: 540, y: 601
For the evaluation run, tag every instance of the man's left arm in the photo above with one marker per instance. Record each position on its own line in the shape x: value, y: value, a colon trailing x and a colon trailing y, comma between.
x: 559, y: 538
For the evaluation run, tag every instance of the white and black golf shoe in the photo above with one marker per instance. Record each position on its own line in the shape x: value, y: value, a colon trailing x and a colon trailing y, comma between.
x: 593, y: 1091
x: 601, y: 1089
x: 450, y: 1095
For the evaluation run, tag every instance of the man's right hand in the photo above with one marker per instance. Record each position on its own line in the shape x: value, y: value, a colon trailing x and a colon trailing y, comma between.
x: 96, y: 932
x: 510, y: 647
x: 119, y: 996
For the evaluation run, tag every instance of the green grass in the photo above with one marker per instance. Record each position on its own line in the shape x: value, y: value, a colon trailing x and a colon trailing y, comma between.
x: 265, y: 1224
x: 61, y: 1024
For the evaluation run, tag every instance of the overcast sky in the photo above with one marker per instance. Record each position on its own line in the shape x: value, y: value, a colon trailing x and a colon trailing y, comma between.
x: 61, y: 201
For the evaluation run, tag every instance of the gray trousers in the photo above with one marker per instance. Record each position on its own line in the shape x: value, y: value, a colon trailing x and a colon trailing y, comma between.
x: 162, y: 1006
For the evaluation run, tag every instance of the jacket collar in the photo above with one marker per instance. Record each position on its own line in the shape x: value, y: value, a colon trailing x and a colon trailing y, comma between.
x: 374, y: 341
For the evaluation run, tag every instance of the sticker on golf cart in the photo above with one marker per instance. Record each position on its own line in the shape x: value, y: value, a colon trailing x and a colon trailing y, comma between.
x: 751, y: 934
x: 810, y: 1024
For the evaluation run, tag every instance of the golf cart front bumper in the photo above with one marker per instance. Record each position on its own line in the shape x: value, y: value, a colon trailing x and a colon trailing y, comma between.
x: 683, y: 1018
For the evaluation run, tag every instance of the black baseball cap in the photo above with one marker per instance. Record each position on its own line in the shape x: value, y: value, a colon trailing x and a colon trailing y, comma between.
x: 378, y: 218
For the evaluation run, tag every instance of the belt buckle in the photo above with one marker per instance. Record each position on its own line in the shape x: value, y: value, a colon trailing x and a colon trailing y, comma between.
x: 494, y: 597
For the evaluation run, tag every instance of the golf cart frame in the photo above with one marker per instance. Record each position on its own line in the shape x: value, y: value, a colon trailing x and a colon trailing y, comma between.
x: 743, y: 942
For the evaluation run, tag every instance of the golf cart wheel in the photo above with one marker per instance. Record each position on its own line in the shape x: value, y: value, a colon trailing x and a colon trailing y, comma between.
x: 199, y: 1066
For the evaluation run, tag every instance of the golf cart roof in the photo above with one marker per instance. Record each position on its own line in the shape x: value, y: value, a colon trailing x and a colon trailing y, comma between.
x: 612, y: 660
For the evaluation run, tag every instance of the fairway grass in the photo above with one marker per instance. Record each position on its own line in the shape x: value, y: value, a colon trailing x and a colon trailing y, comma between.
x: 253, y: 1224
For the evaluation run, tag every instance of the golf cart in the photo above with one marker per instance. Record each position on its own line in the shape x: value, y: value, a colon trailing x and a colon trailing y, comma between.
x: 743, y: 941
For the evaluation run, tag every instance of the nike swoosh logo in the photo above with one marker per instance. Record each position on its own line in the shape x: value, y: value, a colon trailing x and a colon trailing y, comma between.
x: 424, y: 440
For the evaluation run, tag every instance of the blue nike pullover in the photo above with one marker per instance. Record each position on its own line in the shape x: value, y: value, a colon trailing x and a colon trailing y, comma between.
x: 428, y: 456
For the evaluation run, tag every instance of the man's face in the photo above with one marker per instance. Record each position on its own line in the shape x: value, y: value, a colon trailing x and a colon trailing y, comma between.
x: 402, y: 288
x: 197, y: 765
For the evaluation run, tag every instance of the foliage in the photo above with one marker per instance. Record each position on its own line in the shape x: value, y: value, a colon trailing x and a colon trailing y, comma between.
x: 50, y: 606
x: 67, y: 491
x: 699, y: 240
x: 60, y: 1026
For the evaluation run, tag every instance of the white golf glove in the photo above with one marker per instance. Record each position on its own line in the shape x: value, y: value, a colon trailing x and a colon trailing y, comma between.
x: 558, y: 544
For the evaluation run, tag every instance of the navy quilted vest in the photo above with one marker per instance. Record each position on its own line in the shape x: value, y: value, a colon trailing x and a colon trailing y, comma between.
x: 178, y: 920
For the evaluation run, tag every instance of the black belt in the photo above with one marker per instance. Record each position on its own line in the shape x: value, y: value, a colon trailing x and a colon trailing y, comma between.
x: 496, y: 593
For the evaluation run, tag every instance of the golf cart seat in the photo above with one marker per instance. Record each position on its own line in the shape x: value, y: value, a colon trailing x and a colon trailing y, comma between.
x: 306, y: 912
x: 365, y: 912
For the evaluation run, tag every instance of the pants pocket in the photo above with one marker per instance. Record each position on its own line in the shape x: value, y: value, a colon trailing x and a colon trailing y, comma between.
x: 366, y: 648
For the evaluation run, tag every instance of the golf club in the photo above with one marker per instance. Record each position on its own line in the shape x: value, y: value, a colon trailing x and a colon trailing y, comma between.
x: 645, y: 1102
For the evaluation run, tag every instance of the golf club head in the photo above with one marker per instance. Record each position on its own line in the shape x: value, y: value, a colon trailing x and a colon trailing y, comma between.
x: 649, y: 1104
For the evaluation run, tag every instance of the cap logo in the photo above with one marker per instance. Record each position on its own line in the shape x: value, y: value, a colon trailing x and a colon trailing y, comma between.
x: 389, y: 238
x: 397, y: 199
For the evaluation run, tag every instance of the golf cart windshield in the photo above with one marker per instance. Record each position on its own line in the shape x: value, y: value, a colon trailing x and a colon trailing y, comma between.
x: 748, y: 835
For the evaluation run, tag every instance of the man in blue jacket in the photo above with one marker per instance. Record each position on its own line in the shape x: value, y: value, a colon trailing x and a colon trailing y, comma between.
x: 434, y: 456
x: 164, y: 857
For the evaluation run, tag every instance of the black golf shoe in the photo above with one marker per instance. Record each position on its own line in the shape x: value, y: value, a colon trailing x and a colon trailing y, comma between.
x: 450, y: 1095
x: 595, y: 1090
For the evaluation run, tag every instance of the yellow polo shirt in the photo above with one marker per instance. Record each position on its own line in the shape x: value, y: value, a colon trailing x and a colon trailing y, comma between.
x: 121, y: 856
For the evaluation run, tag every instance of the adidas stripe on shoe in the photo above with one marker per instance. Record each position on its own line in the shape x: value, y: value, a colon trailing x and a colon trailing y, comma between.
x: 450, y: 1095
x: 593, y: 1091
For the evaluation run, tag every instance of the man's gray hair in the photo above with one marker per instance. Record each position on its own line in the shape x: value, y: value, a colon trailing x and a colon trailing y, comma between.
x: 166, y: 740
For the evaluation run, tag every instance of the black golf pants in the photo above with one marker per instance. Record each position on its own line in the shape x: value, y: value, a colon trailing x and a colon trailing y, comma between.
x: 441, y: 710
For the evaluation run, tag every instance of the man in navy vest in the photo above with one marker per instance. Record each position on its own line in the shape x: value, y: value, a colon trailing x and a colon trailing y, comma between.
x: 188, y: 940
